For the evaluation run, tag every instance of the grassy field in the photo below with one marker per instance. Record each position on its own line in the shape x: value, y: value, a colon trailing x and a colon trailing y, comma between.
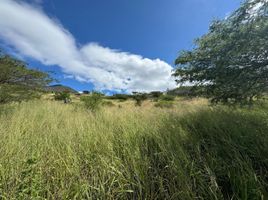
x: 49, y: 150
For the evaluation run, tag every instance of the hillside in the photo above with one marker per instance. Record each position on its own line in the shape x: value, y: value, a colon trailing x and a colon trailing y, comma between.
x: 60, y: 88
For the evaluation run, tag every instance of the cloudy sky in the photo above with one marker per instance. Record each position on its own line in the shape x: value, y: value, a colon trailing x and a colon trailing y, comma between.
x: 106, y: 45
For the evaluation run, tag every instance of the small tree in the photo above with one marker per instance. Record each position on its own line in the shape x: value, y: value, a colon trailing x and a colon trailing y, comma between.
x: 62, y: 96
x: 86, y: 92
x: 155, y: 95
x: 139, y: 98
x: 92, y: 102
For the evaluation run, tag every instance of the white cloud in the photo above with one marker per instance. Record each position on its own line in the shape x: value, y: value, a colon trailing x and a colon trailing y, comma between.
x: 32, y: 33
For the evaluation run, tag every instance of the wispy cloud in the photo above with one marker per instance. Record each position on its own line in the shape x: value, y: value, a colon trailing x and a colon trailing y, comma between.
x: 32, y: 33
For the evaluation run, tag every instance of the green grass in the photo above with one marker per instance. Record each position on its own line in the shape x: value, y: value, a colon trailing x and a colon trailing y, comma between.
x: 49, y: 150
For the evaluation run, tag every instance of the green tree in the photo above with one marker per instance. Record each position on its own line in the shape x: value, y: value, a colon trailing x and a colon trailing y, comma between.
x: 230, y: 63
x: 18, y: 82
x: 139, y: 98
x: 63, y: 96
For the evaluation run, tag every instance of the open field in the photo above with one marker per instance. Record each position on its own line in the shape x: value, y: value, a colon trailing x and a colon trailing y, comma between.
x: 49, y: 150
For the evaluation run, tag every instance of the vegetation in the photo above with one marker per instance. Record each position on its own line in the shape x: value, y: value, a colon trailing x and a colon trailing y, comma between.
x: 120, y: 97
x: 92, y: 102
x: 185, y: 91
x: 62, y: 96
x: 50, y: 150
x: 167, y: 98
x: 60, y: 88
x: 230, y: 62
x: 139, y: 98
x: 108, y: 103
x: 155, y: 94
x: 171, y: 149
x: 17, y: 82
x: 164, y: 104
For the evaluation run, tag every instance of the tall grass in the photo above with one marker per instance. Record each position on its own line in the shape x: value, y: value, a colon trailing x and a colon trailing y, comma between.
x: 49, y: 150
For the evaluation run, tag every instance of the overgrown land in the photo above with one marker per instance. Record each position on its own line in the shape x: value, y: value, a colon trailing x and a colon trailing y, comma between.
x: 205, y: 141
x: 50, y: 150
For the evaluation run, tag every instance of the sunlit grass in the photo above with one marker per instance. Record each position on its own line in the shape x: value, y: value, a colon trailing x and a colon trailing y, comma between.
x: 49, y: 150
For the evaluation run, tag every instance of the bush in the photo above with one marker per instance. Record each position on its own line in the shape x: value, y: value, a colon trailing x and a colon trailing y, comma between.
x: 164, y: 104
x: 62, y: 96
x: 156, y: 94
x: 167, y: 98
x: 120, y: 97
x: 108, y: 103
x: 92, y: 102
x: 139, y: 98
x: 5, y: 96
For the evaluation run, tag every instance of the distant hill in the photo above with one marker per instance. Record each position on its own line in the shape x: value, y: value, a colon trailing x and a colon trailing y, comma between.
x: 59, y: 88
x: 181, y: 91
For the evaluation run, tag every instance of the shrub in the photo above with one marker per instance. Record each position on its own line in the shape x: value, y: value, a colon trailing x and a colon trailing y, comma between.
x: 164, y: 104
x: 92, y: 102
x: 139, y: 98
x: 62, y: 96
x: 108, y: 103
x: 5, y: 96
x: 167, y: 98
x: 120, y: 97
x: 156, y: 94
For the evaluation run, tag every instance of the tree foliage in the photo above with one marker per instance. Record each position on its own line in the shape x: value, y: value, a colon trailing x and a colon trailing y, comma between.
x: 18, y: 82
x: 230, y: 62
x: 62, y: 96
x: 139, y: 98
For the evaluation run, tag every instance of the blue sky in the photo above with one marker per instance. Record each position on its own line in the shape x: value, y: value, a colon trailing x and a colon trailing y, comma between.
x: 109, y: 45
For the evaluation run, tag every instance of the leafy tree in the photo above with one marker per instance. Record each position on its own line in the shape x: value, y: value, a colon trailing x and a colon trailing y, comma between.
x: 18, y: 82
x: 155, y: 95
x: 86, y: 92
x: 62, y: 96
x: 139, y: 98
x: 230, y: 63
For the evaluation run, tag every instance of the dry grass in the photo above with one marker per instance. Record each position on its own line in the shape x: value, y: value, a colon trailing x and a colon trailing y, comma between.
x: 49, y: 150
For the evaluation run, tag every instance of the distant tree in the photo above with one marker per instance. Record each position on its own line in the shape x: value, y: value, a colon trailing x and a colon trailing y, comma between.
x: 167, y: 97
x: 155, y: 94
x: 86, y: 92
x: 18, y: 82
x: 63, y: 96
x: 121, y: 97
x: 139, y: 98
x: 230, y: 63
